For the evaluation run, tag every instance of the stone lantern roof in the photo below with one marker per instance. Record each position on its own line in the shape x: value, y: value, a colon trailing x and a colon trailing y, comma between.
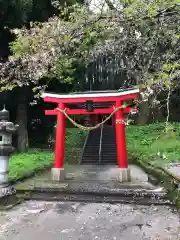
x: 4, y: 114
x: 5, y: 124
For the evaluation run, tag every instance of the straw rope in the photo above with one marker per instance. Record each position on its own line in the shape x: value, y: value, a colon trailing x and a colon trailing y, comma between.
x: 99, y: 124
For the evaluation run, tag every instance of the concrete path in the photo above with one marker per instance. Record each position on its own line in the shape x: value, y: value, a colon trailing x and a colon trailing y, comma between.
x: 91, y: 174
x: 90, y: 221
x: 78, y: 221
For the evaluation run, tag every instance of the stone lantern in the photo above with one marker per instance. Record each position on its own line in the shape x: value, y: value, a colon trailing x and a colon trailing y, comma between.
x: 7, y: 128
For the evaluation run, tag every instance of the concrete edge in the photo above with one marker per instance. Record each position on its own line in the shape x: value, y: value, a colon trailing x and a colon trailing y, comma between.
x: 121, y: 191
x: 165, y: 179
x: 110, y: 197
x: 9, y: 200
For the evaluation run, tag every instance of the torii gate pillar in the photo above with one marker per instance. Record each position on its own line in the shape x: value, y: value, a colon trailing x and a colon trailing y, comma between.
x: 57, y: 173
x: 122, y: 160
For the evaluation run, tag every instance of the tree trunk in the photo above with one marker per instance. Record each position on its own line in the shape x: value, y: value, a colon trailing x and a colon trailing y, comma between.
x: 23, y: 143
x: 148, y: 112
x: 143, y: 115
x: 156, y: 114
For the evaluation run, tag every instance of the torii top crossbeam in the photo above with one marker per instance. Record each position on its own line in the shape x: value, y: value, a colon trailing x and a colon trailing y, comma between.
x: 114, y: 97
x: 102, y: 96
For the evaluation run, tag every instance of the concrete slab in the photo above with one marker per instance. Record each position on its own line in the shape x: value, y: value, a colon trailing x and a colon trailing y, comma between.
x: 174, y: 168
x: 88, y: 176
x: 57, y: 174
x: 104, y: 173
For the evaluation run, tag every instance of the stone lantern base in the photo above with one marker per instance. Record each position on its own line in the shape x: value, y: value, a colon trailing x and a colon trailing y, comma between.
x: 4, y: 162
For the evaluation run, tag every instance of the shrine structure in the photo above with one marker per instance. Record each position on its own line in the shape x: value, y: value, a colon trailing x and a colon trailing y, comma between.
x: 94, y: 102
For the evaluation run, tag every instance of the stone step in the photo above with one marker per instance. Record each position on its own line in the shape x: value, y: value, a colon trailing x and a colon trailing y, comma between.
x: 108, y: 151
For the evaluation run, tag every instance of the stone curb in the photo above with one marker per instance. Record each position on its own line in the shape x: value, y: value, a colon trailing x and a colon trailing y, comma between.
x: 169, y: 181
x: 8, y: 195
x: 101, y: 191
x: 94, y: 196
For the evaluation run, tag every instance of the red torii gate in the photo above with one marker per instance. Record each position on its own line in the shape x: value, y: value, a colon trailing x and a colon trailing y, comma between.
x: 115, y: 97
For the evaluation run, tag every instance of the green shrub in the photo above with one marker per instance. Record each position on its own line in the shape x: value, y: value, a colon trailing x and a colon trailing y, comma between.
x: 23, y: 163
x: 146, y: 141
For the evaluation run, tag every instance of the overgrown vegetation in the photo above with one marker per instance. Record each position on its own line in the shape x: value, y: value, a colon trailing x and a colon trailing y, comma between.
x: 154, y: 143
x: 143, y: 142
x: 144, y: 35
x: 35, y: 159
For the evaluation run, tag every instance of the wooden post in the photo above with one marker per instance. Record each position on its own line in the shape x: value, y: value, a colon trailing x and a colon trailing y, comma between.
x: 121, y: 145
x: 58, y: 170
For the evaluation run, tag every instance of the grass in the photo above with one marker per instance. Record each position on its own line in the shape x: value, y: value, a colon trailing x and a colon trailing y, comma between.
x: 144, y: 142
x: 20, y: 164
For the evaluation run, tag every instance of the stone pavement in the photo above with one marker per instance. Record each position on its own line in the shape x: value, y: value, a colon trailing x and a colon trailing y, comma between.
x: 89, y: 176
x: 90, y: 221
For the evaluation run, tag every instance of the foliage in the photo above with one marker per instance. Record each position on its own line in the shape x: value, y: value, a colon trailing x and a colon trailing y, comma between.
x: 74, y: 140
x: 56, y: 45
x: 152, y: 148
x: 18, y: 13
x: 144, y: 35
x: 24, y: 163
x: 147, y: 142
